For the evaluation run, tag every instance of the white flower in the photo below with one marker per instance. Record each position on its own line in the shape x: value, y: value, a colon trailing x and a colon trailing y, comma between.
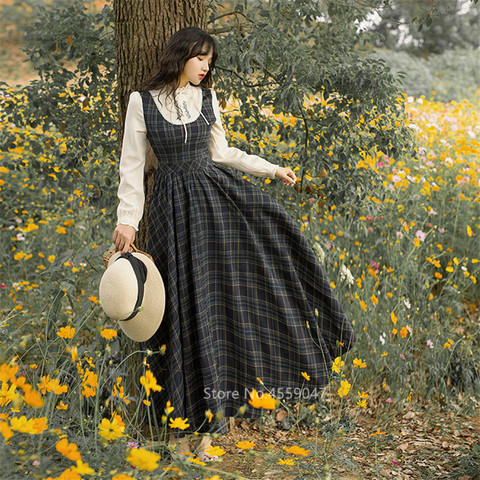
x: 319, y: 252
x: 346, y: 274
x: 407, y: 303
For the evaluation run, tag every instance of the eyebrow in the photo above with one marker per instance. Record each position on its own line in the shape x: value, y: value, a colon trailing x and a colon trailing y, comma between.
x: 203, y: 53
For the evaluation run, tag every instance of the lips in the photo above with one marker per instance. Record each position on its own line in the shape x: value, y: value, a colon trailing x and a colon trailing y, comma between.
x: 201, y: 76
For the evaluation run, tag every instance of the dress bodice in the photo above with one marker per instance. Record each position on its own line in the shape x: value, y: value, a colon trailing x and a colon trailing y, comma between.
x: 179, y: 148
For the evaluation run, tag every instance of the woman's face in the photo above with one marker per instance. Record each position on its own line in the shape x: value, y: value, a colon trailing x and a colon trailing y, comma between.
x: 196, y: 68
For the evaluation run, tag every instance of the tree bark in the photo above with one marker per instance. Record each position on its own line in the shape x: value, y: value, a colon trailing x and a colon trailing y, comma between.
x: 142, y: 28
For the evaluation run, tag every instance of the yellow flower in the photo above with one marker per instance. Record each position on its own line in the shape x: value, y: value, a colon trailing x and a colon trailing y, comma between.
x: 362, y: 403
x: 68, y: 474
x: 73, y: 352
x: 6, y: 431
x: 7, y: 394
x: 108, y: 333
x: 143, y: 459
x: 169, y: 408
x: 215, y: 451
x: 265, y: 401
x: 68, y: 450
x: 403, y: 332
x: 362, y: 394
x: 122, y: 476
x: 179, y: 423
x: 89, y: 384
x: 47, y: 385
x: 338, y: 363
x: 245, y: 445
x: 255, y: 400
x: 19, y: 255
x: 150, y: 383
x: 66, y: 332
x: 287, y: 461
x: 83, y: 468
x: 111, y: 430
x: 93, y: 299
x: 394, y: 318
x: 8, y: 372
x: 344, y: 388
x: 62, y: 406
x: 378, y: 432
x: 32, y: 426
x: 307, y: 377
x: 297, y: 450
x: 358, y: 362
x: 33, y: 398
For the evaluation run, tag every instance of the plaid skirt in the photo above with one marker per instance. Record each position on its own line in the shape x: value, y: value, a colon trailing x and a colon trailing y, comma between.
x: 248, y: 305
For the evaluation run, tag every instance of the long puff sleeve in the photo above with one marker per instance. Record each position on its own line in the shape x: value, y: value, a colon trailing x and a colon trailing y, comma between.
x: 222, y: 153
x: 132, y: 164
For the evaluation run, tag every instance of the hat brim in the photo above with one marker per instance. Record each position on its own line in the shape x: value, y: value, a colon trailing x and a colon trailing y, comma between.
x: 145, y: 323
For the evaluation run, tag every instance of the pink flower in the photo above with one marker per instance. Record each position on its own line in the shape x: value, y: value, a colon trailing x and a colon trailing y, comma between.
x: 389, y: 400
x: 374, y: 265
x: 368, y: 218
x: 420, y: 235
x: 429, y: 343
x: 402, y: 356
x: 380, y: 163
x: 441, y: 230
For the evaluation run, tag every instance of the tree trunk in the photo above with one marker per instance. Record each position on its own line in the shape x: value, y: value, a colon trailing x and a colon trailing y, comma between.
x: 142, y: 28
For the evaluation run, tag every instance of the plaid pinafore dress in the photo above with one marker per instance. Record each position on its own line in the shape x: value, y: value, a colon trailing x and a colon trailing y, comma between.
x: 241, y: 284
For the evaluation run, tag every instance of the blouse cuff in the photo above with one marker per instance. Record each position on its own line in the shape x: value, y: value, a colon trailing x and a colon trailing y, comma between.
x: 129, y: 224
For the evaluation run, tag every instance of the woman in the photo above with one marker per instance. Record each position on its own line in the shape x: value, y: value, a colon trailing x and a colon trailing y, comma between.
x: 246, y: 298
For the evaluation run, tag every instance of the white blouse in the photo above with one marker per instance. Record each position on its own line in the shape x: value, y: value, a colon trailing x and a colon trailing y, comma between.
x: 134, y: 147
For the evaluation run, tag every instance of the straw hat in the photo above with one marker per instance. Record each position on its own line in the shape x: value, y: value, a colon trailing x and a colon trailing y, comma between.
x: 132, y: 292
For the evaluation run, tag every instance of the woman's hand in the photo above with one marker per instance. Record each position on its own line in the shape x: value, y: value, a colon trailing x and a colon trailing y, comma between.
x: 123, y: 237
x: 287, y: 175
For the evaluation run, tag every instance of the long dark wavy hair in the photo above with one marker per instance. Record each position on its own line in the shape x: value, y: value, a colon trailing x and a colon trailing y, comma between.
x: 184, y: 44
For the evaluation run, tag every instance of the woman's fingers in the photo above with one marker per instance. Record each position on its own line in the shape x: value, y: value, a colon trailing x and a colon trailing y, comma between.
x: 123, y: 237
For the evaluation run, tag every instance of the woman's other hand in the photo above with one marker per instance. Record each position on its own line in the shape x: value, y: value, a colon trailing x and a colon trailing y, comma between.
x: 287, y: 175
x: 123, y: 237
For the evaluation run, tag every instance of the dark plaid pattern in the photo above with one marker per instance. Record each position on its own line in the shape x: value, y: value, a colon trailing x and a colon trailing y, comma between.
x: 241, y: 283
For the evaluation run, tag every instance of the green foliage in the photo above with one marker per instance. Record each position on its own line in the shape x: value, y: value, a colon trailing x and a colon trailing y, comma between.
x: 453, y: 75
x: 277, y: 55
x: 423, y: 27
